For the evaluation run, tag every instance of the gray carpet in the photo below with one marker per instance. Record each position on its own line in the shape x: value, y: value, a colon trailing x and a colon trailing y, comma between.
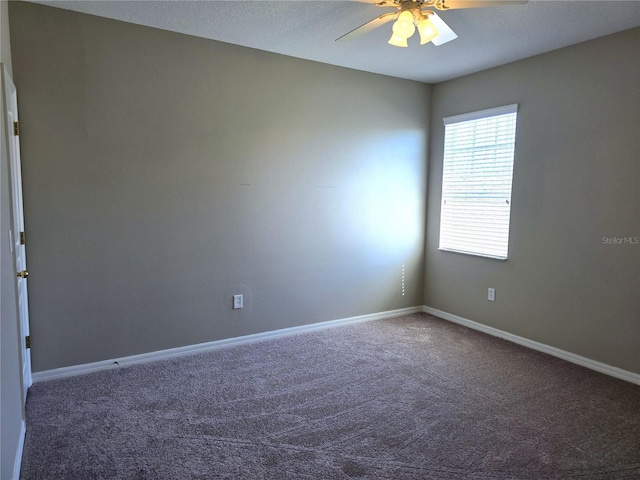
x: 413, y: 397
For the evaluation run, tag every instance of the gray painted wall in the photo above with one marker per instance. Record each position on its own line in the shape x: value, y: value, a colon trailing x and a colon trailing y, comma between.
x: 576, y: 180
x: 164, y: 173
x: 11, y: 414
x: 5, y: 39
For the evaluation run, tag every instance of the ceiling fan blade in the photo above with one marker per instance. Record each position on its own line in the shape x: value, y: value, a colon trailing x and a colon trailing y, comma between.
x: 458, y: 4
x: 446, y: 34
x: 367, y: 27
x: 381, y: 3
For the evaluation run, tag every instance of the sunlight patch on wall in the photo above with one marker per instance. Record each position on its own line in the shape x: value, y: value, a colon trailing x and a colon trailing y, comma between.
x: 390, y: 185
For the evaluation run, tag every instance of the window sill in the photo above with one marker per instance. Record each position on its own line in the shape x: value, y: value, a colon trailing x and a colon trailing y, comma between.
x: 473, y: 254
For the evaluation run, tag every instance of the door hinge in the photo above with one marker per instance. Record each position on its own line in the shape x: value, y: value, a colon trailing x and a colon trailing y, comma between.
x: 22, y: 239
x: 16, y: 128
x: 27, y: 341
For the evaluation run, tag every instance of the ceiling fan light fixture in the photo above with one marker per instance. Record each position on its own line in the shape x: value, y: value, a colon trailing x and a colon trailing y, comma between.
x: 398, y: 41
x: 409, y: 14
x: 427, y: 31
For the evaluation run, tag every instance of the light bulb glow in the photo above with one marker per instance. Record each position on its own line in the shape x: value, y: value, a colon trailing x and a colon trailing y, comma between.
x: 427, y: 31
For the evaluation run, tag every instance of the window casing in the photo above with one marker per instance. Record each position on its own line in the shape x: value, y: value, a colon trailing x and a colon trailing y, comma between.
x: 476, y: 182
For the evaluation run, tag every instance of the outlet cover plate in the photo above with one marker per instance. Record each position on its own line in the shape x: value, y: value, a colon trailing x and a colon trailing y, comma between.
x: 237, y: 302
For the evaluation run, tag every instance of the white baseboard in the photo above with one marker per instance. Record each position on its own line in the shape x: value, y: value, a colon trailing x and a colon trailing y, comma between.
x: 541, y: 347
x: 208, y: 346
x: 17, y: 462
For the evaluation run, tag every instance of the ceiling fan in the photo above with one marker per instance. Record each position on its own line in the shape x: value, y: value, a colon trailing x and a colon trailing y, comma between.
x: 412, y: 15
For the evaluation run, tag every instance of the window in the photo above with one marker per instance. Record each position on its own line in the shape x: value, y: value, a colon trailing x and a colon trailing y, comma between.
x: 476, y: 182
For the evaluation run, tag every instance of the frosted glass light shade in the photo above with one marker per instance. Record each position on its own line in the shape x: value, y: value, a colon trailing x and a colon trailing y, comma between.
x: 427, y: 31
x: 403, y: 26
x: 398, y: 41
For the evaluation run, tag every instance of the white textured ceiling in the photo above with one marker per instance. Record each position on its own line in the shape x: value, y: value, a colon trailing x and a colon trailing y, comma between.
x: 487, y: 37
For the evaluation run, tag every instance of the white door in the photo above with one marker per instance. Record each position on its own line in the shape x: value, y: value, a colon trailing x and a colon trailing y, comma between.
x: 17, y: 235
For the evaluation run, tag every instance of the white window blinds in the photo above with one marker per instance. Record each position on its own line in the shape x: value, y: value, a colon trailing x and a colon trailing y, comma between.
x: 476, y: 182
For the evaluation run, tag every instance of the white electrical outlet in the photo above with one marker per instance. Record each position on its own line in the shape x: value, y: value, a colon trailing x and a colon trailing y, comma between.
x: 491, y: 295
x: 237, y: 302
